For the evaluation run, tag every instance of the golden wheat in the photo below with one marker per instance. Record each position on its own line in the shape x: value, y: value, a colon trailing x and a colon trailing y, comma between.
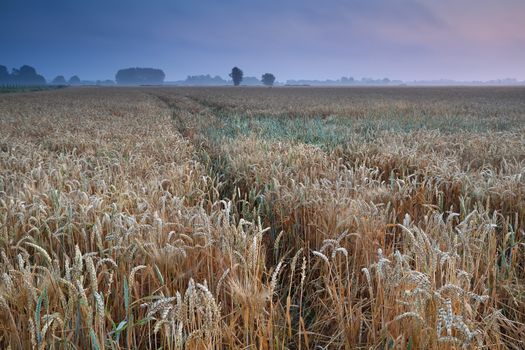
x: 177, y: 218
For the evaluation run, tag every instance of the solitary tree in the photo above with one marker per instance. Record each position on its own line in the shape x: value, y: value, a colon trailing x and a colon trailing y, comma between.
x: 59, y: 80
x: 236, y: 76
x: 268, y: 79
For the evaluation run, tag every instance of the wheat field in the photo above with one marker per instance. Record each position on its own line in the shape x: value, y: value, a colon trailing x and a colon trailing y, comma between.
x: 256, y: 218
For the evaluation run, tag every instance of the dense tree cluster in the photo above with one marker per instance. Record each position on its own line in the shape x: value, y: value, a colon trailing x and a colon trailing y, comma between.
x: 140, y: 76
x: 25, y: 75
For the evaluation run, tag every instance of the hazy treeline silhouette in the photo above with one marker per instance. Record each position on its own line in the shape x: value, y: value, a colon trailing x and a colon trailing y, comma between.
x: 105, y: 82
x: 236, y: 75
x: 140, y: 76
x: 25, y: 75
x: 250, y: 81
x: 217, y: 80
x: 60, y: 80
x: 204, y: 80
x: 28, y: 76
x: 344, y: 81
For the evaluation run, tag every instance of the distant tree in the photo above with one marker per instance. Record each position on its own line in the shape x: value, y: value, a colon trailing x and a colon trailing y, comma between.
x: 4, y: 73
x: 5, y: 77
x: 27, y: 71
x: 268, y: 79
x: 59, y: 80
x: 74, y: 80
x: 140, y: 76
x: 236, y: 76
x: 27, y: 75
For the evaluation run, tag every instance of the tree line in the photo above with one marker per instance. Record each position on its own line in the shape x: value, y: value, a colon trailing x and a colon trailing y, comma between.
x: 25, y: 75
x: 152, y: 76
x: 28, y: 76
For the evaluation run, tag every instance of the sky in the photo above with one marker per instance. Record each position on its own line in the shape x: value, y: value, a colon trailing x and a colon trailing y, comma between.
x: 293, y: 39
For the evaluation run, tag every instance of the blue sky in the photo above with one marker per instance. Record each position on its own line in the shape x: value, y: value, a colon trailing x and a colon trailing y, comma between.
x: 399, y: 39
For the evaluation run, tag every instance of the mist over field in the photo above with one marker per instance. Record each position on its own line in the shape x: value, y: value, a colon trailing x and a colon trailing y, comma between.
x: 274, y: 175
x: 295, y: 39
